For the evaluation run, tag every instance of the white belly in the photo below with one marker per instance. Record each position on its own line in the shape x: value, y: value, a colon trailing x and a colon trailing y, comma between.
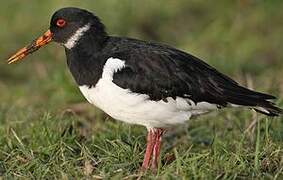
x: 121, y: 104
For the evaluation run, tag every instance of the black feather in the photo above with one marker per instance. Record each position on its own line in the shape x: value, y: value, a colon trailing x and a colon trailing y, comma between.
x: 161, y: 71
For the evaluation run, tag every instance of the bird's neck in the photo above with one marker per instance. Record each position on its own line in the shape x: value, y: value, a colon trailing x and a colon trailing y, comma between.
x: 91, y: 42
x: 84, y: 59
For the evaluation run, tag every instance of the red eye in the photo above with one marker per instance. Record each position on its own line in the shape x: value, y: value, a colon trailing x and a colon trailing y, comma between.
x: 61, y: 23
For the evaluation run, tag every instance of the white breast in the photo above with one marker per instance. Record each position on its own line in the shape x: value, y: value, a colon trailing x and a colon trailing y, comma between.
x: 124, y: 105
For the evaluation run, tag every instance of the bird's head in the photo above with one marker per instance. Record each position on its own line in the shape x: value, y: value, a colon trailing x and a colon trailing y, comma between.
x: 67, y: 27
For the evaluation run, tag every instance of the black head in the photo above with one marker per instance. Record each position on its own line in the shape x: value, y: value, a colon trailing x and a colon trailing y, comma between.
x: 67, y: 21
x: 68, y: 26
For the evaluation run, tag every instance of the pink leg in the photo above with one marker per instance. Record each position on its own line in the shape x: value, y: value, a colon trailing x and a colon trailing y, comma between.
x: 156, y: 149
x: 152, y: 148
x: 149, y: 148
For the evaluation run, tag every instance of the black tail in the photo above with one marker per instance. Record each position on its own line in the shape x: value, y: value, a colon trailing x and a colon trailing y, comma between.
x: 268, y: 108
x: 260, y: 102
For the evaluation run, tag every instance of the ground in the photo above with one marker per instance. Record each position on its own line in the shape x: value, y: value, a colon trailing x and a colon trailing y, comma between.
x: 48, y: 131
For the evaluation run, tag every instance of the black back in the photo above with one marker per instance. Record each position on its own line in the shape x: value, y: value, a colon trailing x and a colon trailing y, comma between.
x: 161, y: 71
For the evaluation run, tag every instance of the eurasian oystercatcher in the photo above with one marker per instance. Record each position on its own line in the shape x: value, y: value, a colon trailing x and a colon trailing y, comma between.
x: 144, y: 83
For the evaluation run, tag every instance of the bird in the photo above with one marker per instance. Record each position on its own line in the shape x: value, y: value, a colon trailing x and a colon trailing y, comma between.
x: 139, y: 82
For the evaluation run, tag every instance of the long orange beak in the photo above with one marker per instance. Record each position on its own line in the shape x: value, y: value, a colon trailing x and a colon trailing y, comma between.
x: 34, y: 46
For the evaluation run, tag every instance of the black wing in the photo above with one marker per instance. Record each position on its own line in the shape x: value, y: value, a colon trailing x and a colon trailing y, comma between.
x: 161, y: 71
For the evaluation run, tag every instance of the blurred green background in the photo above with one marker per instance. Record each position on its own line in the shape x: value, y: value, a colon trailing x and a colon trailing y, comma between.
x: 242, y: 38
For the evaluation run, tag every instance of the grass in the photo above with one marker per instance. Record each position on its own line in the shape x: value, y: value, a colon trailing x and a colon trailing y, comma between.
x: 47, y: 131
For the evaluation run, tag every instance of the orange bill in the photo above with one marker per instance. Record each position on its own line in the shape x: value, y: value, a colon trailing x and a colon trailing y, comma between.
x: 34, y: 46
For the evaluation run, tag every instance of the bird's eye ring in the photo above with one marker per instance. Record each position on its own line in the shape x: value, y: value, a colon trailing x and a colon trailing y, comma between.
x: 60, y: 23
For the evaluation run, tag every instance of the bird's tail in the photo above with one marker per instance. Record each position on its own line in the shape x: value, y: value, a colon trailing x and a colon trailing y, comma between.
x: 268, y: 108
x: 260, y: 102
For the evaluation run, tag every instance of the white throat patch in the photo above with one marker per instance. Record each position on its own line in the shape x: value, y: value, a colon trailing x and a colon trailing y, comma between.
x: 72, y: 41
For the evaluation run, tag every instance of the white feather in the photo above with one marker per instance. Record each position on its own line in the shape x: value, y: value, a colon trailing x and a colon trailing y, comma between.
x: 72, y: 41
x: 124, y: 105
